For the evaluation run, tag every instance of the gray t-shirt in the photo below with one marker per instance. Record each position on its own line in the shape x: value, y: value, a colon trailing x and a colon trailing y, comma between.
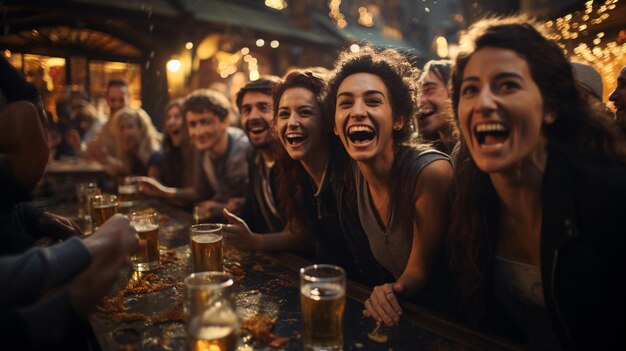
x: 392, y: 247
x: 225, y: 177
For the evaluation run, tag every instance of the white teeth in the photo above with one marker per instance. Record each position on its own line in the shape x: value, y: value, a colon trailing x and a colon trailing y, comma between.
x: 491, y: 127
x: 294, y: 135
x: 355, y: 129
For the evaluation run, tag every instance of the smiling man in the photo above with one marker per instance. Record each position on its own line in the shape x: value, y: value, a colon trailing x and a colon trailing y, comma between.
x: 435, y: 113
x: 260, y: 210
x: 222, y: 175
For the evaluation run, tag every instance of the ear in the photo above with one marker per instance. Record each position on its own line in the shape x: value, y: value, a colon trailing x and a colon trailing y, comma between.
x: 335, y: 129
x: 549, y: 118
x: 398, y: 123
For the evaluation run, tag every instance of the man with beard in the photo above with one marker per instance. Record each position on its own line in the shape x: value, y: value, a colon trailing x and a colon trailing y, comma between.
x: 435, y: 113
x: 260, y: 211
x: 618, y: 96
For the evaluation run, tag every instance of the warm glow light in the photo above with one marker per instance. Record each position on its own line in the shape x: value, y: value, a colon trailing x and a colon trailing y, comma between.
x: 173, y: 65
x: 7, y: 53
x: 274, y: 44
x: 189, y: 45
x: 245, y: 50
x: 260, y: 42
x: 276, y: 4
x: 441, y: 45
x: 254, y: 75
x: 355, y: 48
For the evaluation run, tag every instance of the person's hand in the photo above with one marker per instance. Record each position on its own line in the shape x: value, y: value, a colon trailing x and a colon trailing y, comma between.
x: 58, y: 227
x: 149, y: 186
x: 383, y: 304
x: 110, y: 247
x: 235, y: 204
x: 238, y: 234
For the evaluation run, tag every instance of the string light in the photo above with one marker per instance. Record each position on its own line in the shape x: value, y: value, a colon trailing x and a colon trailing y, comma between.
x: 276, y: 4
x: 605, y: 55
x: 336, y: 15
x: 366, y: 19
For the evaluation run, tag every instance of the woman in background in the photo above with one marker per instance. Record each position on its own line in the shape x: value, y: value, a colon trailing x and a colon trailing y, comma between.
x: 139, y: 143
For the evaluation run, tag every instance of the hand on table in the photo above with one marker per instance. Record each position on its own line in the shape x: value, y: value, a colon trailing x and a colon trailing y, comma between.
x: 238, y: 234
x: 58, y: 227
x: 149, y: 186
x: 110, y: 248
x: 383, y: 304
x: 235, y: 205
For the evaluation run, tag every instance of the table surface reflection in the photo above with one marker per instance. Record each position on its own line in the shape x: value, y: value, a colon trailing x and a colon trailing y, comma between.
x: 265, y: 284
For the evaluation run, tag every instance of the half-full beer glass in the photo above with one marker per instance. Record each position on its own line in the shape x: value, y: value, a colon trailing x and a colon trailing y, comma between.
x: 147, y: 226
x: 323, y: 301
x: 207, y: 247
x: 128, y: 192
x: 212, y: 322
x: 104, y: 207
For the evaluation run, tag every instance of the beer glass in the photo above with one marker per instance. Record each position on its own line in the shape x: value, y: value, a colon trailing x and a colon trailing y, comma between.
x: 84, y: 193
x: 323, y: 301
x: 212, y: 322
x: 207, y: 247
x: 147, y: 226
x: 104, y: 207
x: 128, y: 192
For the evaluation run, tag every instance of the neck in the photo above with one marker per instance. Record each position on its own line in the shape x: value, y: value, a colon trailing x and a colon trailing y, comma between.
x: 316, y: 165
x: 267, y: 154
x: 377, y: 170
x: 220, y: 147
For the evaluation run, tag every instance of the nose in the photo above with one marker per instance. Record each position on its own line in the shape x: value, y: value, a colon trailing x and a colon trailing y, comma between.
x: 485, y: 104
x: 293, y: 122
x: 358, y: 109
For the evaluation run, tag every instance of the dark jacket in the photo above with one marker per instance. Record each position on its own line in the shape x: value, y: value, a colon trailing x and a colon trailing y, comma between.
x: 256, y: 211
x: 582, y: 249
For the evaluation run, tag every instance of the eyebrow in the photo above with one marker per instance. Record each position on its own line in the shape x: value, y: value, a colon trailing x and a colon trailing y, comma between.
x: 498, y: 76
x: 368, y: 92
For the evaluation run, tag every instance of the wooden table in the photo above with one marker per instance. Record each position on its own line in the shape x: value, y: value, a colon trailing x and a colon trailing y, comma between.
x: 271, y: 288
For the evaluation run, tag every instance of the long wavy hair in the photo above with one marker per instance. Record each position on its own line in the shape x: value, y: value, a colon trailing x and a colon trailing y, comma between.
x: 150, y: 138
x: 476, y: 207
x: 400, y: 78
x: 178, y: 161
x: 292, y: 177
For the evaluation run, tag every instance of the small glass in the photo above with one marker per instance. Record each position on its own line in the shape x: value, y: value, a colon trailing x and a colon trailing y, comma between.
x: 84, y: 193
x: 147, y: 226
x: 212, y: 322
x: 104, y: 207
x: 128, y: 192
x: 323, y: 302
x: 207, y: 247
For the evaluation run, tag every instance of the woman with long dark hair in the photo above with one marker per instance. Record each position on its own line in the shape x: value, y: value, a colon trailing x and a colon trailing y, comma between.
x: 538, y: 225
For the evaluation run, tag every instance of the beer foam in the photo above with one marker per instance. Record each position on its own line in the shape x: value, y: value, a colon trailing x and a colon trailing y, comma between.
x: 146, y: 227
x: 127, y: 189
x: 323, y: 291
x: 206, y: 238
x: 213, y: 332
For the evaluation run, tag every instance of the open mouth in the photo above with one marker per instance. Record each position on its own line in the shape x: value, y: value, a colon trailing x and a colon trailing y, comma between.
x: 491, y: 134
x: 257, y: 126
x: 174, y: 132
x: 295, y: 138
x: 424, y: 114
x: 361, y: 134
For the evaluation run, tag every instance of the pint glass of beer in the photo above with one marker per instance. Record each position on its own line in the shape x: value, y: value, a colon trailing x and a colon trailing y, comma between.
x: 147, y: 226
x: 207, y: 247
x: 104, y: 207
x: 212, y: 322
x: 323, y: 301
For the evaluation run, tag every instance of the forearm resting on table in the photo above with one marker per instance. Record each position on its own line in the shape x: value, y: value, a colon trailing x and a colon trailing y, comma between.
x: 285, y: 240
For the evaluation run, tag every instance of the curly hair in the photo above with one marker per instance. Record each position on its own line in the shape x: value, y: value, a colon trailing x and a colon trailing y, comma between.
x: 395, y: 70
x: 475, y: 226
